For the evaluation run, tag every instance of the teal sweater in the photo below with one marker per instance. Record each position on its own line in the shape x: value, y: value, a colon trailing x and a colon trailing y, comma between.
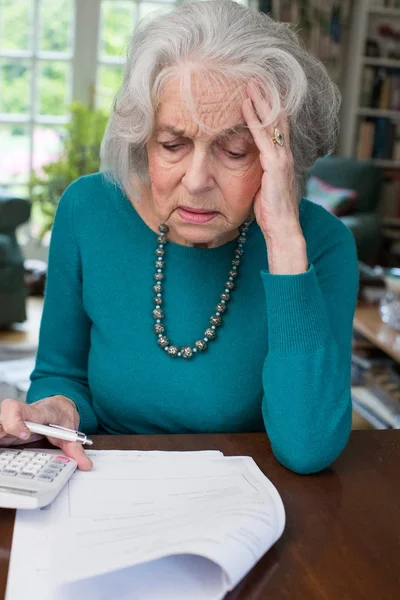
x: 281, y: 360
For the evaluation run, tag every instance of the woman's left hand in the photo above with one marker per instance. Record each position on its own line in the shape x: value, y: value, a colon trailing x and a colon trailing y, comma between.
x: 275, y: 204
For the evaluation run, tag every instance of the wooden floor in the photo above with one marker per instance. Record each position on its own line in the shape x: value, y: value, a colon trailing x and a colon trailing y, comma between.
x: 26, y: 335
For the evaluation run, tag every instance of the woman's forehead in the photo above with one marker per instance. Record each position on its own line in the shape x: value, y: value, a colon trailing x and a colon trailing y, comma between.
x: 217, y: 108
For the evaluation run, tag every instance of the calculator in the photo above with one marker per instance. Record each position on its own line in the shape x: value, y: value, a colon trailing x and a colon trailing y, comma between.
x: 32, y: 478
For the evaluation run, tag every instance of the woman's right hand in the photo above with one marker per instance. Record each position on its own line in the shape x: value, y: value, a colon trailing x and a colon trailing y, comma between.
x: 58, y: 410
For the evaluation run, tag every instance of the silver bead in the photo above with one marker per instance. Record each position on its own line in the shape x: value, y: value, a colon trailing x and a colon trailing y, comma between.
x: 236, y: 262
x: 201, y: 345
x: 225, y: 296
x: 158, y: 328
x: 221, y: 308
x: 158, y: 313
x: 210, y: 334
x: 160, y: 264
x: 186, y: 352
x: 238, y: 252
x: 163, y: 341
x: 163, y: 228
x: 158, y: 300
x: 159, y: 276
x: 233, y: 273
x: 241, y: 239
x: 157, y: 288
x: 161, y: 239
x: 230, y: 285
x: 173, y: 351
x: 215, y: 320
x: 161, y: 251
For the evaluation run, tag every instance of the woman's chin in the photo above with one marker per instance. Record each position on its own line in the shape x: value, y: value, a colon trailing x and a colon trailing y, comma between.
x: 201, y: 236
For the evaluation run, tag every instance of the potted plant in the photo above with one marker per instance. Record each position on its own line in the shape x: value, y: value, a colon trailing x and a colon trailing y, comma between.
x: 80, y: 156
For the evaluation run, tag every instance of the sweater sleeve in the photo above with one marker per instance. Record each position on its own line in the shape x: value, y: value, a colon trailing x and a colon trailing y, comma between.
x: 306, y: 374
x: 62, y: 358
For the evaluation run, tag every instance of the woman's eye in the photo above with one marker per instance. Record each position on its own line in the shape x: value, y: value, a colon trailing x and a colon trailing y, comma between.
x: 235, y: 155
x: 171, y: 147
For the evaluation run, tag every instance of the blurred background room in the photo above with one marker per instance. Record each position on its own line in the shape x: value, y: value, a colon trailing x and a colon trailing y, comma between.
x: 61, y: 63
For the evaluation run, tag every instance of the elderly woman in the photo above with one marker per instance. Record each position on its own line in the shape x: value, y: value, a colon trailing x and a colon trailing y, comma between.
x: 191, y: 288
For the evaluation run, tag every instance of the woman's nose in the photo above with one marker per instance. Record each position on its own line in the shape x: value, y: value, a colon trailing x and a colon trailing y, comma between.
x: 199, y: 176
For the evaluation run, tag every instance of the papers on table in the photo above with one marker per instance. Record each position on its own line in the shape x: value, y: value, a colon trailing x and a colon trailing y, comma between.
x: 147, y: 526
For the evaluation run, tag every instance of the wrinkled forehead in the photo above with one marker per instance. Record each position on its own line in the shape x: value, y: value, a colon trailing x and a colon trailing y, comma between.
x: 204, y: 107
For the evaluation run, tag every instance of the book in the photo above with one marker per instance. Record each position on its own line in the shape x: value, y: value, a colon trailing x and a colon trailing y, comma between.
x: 380, y: 75
x: 376, y: 407
x: 385, y: 92
x: 148, y: 525
x: 382, y: 133
x: 365, y: 141
x: 366, y: 86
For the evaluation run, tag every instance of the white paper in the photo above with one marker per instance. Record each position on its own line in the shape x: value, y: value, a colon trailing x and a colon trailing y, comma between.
x: 191, y: 524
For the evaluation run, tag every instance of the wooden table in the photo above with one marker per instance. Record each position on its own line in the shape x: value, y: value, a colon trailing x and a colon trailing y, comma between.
x: 368, y: 323
x: 342, y: 537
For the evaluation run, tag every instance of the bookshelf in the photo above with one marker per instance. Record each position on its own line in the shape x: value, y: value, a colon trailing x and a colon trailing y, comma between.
x: 370, y: 75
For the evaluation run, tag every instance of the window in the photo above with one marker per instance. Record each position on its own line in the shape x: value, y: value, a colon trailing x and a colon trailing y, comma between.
x: 36, y: 47
x: 53, y: 52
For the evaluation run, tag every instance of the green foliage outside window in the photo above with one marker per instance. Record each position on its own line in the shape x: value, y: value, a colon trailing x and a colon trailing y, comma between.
x: 81, y: 156
x: 54, y: 35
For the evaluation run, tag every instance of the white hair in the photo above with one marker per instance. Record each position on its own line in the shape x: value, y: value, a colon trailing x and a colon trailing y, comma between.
x: 221, y: 41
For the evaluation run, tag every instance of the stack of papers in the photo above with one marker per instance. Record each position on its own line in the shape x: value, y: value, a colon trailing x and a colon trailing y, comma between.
x: 147, y: 526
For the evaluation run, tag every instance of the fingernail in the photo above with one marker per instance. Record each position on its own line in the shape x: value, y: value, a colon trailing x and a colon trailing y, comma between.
x: 24, y: 435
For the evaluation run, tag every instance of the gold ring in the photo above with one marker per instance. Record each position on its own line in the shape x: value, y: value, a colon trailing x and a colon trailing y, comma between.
x: 278, y: 137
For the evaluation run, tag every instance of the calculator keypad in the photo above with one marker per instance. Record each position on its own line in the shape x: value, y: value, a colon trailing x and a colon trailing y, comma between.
x: 30, y: 465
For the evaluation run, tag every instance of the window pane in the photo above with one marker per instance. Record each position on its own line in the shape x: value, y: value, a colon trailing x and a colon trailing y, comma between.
x: 15, y: 20
x: 14, y: 164
x: 47, y: 145
x: 14, y: 86
x: 56, y: 25
x: 116, y: 26
x: 109, y: 79
x: 146, y: 8
x: 54, y: 87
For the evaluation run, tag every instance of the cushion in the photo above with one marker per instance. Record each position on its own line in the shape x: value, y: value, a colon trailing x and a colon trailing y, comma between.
x: 360, y: 175
x: 338, y: 201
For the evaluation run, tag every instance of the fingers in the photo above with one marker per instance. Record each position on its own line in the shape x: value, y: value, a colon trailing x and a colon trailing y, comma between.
x: 13, y: 415
x: 261, y: 105
x: 13, y: 429
x: 261, y: 138
x: 257, y: 110
x: 75, y: 451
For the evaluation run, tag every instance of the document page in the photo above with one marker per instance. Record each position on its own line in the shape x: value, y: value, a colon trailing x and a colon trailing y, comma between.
x: 196, y: 522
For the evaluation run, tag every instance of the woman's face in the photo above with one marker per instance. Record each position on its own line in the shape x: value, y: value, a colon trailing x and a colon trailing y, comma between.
x: 218, y: 173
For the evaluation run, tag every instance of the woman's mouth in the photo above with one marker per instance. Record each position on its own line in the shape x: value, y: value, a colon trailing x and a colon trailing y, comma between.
x: 196, y: 215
